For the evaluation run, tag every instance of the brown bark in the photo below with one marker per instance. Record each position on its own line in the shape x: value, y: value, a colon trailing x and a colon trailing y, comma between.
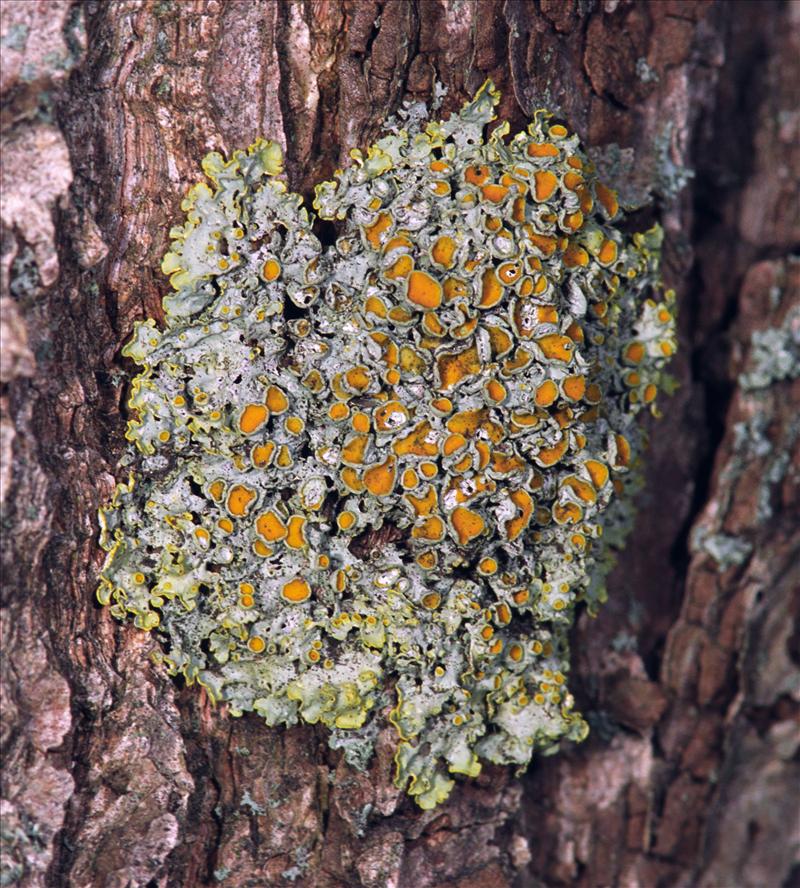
x: 115, y: 775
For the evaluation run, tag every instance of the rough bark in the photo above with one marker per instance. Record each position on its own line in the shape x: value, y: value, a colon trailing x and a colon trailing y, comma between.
x: 114, y: 775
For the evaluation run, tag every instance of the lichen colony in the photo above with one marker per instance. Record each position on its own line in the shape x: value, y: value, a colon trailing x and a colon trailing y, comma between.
x: 380, y: 474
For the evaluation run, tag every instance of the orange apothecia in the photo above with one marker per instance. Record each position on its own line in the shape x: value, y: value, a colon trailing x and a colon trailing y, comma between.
x: 459, y: 375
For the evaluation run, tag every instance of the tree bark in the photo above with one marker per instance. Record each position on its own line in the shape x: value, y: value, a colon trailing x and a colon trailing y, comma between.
x: 115, y: 775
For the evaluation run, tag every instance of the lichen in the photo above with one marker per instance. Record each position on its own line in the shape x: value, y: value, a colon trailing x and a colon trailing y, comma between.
x: 16, y: 37
x: 640, y: 177
x: 775, y: 354
x: 645, y: 72
x: 302, y: 858
x: 249, y: 802
x: 382, y: 473
x: 726, y: 550
x: 774, y: 357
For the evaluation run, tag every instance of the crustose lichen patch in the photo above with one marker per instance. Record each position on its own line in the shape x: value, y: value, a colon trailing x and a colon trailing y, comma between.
x: 395, y: 493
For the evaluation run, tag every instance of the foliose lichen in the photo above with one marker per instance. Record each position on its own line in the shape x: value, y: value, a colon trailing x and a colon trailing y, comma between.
x: 382, y: 473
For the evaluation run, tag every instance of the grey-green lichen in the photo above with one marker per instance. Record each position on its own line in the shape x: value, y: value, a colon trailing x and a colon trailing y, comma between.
x: 775, y: 354
x: 726, y: 550
x: 381, y: 473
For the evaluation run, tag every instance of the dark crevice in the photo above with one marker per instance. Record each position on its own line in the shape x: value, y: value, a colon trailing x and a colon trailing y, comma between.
x: 717, y: 185
x: 326, y: 231
x: 282, y: 12
x: 792, y: 880
x: 785, y: 708
x: 203, y: 805
x: 371, y: 37
x: 652, y: 658
x: 292, y: 312
x: 615, y: 103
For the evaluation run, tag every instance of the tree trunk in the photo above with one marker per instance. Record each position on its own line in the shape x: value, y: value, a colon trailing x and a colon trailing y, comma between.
x: 116, y: 775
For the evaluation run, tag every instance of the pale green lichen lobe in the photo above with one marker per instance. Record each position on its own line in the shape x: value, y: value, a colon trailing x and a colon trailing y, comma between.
x: 383, y: 472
